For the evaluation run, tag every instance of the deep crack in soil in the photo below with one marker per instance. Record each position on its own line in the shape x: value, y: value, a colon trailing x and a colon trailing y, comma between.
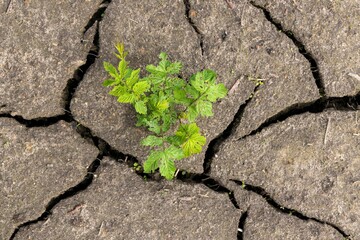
x: 216, y: 142
x: 209, y: 182
x: 79, y: 73
x: 87, y: 180
x: 346, y: 103
x: 38, y: 122
x: 104, y: 148
x: 68, y: 93
x: 264, y: 194
x: 188, y: 13
x: 241, y: 226
x: 314, y: 67
x: 97, y: 16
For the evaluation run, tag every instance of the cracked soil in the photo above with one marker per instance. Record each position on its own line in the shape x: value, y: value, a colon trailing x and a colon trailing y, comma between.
x: 282, y: 158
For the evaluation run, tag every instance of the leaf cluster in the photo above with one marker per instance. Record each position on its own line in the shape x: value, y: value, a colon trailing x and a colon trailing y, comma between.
x: 166, y: 105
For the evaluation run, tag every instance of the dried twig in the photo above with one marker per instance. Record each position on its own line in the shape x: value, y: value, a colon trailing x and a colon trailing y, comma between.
x: 101, y: 228
x: 7, y: 6
x: 230, y: 4
x: 326, y: 131
x: 354, y: 76
x: 234, y: 87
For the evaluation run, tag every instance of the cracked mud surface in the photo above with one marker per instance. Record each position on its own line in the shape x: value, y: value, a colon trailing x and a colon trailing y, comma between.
x: 282, y: 159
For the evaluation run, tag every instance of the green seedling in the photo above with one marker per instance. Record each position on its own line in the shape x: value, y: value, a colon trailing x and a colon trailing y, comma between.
x: 166, y: 105
x: 257, y: 81
x: 137, y: 167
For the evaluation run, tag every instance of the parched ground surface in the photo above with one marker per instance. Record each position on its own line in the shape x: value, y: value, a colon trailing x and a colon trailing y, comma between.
x: 282, y: 159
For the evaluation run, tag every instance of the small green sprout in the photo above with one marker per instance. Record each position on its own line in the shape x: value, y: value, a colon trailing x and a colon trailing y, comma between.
x: 167, y: 105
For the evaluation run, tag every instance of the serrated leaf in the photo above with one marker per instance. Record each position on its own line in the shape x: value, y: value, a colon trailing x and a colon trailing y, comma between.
x: 185, y: 130
x: 180, y: 97
x: 192, y: 91
x: 209, y: 76
x: 175, y: 140
x: 193, y: 144
x: 155, y: 70
x: 198, y: 82
x: 168, y: 119
x: 126, y: 98
x: 110, y: 69
x: 173, y: 152
x: 191, y: 138
x: 152, y: 140
x: 216, y: 91
x: 163, y: 56
x: 118, y: 91
x: 151, y: 68
x: 141, y: 87
x: 162, y: 105
x: 122, y: 68
x: 152, y: 161
x: 133, y: 78
x: 141, y: 120
x: 192, y: 113
x: 154, y: 80
x: 140, y: 107
x: 177, y: 83
x: 204, y: 108
x: 174, y: 68
x: 120, y: 48
x: 153, y: 126
x: 167, y: 168
x: 192, y: 128
x: 108, y: 82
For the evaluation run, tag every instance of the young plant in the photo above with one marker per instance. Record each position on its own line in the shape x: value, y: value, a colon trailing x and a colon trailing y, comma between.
x: 167, y: 106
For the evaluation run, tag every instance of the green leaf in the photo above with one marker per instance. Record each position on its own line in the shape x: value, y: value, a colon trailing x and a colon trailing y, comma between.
x: 133, y: 78
x: 173, y: 152
x: 162, y: 105
x: 108, y: 82
x: 140, y: 107
x: 118, y: 91
x: 180, y: 97
x: 155, y: 70
x: 122, y: 68
x: 153, y: 126
x: 194, y: 144
x: 185, y: 130
x: 167, y: 168
x: 204, y: 108
x: 175, y: 140
x: 209, y: 76
x: 120, y: 48
x: 152, y: 140
x: 165, y: 67
x: 126, y: 98
x: 192, y: 113
x: 198, y: 82
x: 176, y: 83
x: 155, y: 80
x: 174, y: 68
x: 191, y: 138
x: 141, y: 87
x: 168, y: 118
x: 192, y: 91
x: 110, y: 69
x: 163, y: 56
x: 152, y: 161
x: 216, y: 91
x: 151, y: 68
x: 192, y: 128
